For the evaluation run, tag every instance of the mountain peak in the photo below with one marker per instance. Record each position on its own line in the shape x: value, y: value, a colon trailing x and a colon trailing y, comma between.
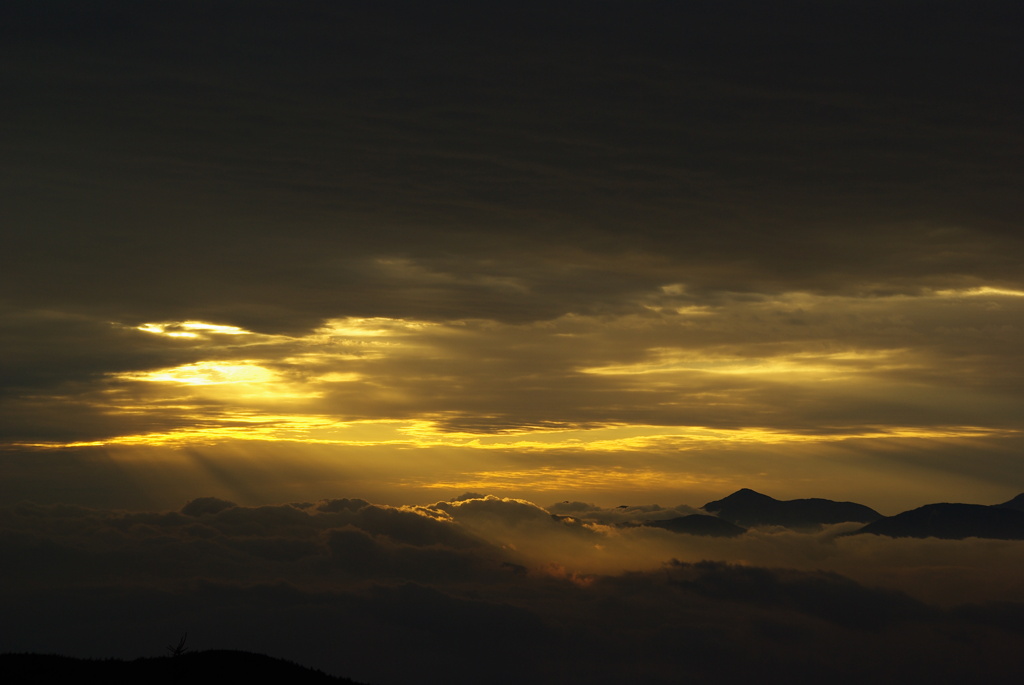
x: 742, y: 497
x: 745, y: 507
x: 747, y: 492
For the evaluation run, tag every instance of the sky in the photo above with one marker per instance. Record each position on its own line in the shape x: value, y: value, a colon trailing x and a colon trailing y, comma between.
x: 643, y: 251
x: 612, y: 253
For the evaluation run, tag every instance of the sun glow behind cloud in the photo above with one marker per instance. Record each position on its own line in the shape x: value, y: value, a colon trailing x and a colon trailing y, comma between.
x: 209, y: 373
x: 190, y: 329
x: 828, y: 366
x: 636, y: 391
x: 419, y: 433
x: 383, y: 380
x: 980, y: 291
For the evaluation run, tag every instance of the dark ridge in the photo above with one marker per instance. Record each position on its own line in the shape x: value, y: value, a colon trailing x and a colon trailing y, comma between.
x: 215, y: 666
x: 1015, y: 503
x: 748, y: 508
x: 952, y: 522
x: 699, y: 524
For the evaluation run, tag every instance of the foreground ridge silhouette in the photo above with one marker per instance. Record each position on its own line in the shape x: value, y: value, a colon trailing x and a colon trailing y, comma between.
x: 209, y: 666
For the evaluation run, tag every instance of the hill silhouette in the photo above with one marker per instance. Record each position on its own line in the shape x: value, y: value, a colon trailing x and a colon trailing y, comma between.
x: 746, y: 507
x: 952, y: 522
x: 1015, y: 503
x: 216, y: 666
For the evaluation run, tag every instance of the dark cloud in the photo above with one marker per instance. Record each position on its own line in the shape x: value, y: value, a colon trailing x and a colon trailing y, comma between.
x: 411, y: 527
x: 824, y: 595
x: 206, y: 505
x: 624, y: 513
x: 557, y: 190
x: 342, y: 504
x: 318, y: 584
x: 246, y: 174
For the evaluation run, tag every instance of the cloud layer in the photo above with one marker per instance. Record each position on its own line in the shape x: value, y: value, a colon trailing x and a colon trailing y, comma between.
x: 681, y: 389
x: 436, y: 593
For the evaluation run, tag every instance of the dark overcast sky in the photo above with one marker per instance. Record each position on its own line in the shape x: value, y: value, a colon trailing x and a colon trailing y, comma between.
x: 599, y: 233
x: 237, y: 158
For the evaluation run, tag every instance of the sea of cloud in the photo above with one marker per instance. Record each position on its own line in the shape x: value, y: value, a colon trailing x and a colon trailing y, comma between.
x: 479, y: 585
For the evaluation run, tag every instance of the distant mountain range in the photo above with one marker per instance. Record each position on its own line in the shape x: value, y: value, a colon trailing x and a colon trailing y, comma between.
x: 214, y: 667
x: 1015, y: 503
x: 747, y: 508
x: 953, y: 522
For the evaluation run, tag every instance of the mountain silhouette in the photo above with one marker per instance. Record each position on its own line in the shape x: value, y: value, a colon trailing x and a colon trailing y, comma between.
x: 216, y: 667
x: 1015, y: 503
x: 953, y: 522
x: 699, y: 524
x: 748, y: 508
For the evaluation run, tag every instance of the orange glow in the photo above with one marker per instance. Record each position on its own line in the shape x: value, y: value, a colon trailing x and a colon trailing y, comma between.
x: 208, y: 373
x: 190, y: 329
x: 422, y: 433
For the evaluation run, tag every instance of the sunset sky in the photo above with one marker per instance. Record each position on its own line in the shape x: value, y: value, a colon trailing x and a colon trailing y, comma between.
x: 655, y: 251
x: 598, y: 253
